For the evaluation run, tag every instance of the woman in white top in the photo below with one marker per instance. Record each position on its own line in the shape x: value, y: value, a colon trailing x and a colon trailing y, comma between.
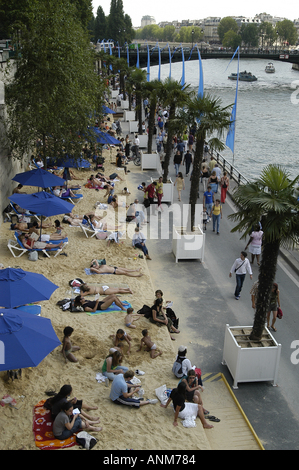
x: 255, y: 244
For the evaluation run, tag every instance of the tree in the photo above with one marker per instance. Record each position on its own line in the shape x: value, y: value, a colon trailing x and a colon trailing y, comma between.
x: 225, y: 25
x: 119, y: 26
x: 137, y: 78
x: 213, y: 119
x: 270, y: 199
x: 54, y: 93
x: 153, y: 92
x: 250, y: 34
x: 173, y: 96
x: 232, y: 39
x: 267, y: 31
x: 287, y: 32
x: 100, y: 25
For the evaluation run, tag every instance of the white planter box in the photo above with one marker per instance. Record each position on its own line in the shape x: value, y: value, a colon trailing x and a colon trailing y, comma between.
x: 129, y: 116
x: 190, y: 245
x: 167, y: 191
x: 250, y: 364
x: 150, y: 161
x: 124, y: 104
x: 143, y: 141
x: 133, y: 126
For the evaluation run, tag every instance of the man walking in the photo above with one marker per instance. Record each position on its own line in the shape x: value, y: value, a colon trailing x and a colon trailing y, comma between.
x: 240, y: 266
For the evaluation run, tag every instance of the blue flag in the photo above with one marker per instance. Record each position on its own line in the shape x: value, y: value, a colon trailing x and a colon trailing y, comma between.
x: 169, y: 61
x: 159, y: 73
x: 137, y: 64
x: 183, y: 81
x: 230, y: 138
x: 148, y: 64
x: 200, y: 86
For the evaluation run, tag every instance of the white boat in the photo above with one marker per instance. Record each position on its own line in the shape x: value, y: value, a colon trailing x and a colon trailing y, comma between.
x: 270, y: 68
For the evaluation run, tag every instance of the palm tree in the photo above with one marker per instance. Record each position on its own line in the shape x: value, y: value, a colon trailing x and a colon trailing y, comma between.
x: 137, y: 79
x: 174, y: 96
x: 270, y: 199
x: 153, y: 91
x: 212, y: 120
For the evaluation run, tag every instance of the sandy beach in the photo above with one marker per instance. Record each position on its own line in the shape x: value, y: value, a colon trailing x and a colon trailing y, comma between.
x: 151, y: 426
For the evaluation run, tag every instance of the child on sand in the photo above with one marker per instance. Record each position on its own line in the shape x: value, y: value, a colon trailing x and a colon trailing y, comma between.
x: 130, y: 318
x: 151, y: 347
x: 67, y: 347
x: 120, y: 336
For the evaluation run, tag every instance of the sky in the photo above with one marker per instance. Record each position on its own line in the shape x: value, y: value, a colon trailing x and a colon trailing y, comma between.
x: 171, y: 10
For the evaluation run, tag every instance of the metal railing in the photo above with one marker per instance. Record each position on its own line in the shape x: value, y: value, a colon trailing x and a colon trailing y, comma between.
x: 228, y: 167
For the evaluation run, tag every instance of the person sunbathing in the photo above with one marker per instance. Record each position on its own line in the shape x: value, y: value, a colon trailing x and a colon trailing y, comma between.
x: 62, y: 192
x: 45, y: 237
x: 25, y: 226
x: 86, y: 289
x: 31, y: 244
x: 104, y: 269
x: 94, y: 305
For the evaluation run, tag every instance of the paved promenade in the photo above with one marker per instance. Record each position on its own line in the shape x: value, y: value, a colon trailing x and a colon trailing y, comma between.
x: 203, y: 300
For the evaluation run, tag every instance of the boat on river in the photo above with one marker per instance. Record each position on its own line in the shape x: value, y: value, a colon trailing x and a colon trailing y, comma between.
x: 243, y: 77
x: 270, y: 68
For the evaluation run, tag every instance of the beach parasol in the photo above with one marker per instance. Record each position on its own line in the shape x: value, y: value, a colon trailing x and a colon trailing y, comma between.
x: 104, y: 138
x: 38, y: 177
x: 42, y: 203
x: 69, y: 162
x: 25, y: 339
x: 18, y: 287
x: 107, y: 110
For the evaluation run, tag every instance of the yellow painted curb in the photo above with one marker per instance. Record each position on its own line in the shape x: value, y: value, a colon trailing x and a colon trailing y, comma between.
x: 243, y: 414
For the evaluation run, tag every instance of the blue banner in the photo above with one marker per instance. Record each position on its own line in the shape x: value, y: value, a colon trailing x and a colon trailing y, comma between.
x: 137, y: 64
x: 128, y: 59
x: 159, y: 73
x: 230, y: 138
x: 200, y: 86
x: 169, y: 60
x: 183, y: 81
x: 148, y: 64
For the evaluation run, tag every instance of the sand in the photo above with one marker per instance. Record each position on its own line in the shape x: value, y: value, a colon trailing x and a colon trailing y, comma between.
x: 151, y: 426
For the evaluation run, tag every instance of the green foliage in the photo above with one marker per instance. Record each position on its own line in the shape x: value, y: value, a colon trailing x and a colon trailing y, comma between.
x: 250, y: 34
x: 270, y: 199
x: 54, y: 92
x: 287, y: 31
x: 232, y: 39
x: 100, y: 25
x: 225, y: 25
x: 269, y: 33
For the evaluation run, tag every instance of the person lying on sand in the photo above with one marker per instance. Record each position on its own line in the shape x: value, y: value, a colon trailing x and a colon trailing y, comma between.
x: 104, y: 269
x: 86, y: 289
x: 94, y: 305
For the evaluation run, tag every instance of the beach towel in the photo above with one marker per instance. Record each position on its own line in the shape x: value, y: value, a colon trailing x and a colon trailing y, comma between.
x: 42, y: 430
x: 88, y: 272
x: 111, y: 309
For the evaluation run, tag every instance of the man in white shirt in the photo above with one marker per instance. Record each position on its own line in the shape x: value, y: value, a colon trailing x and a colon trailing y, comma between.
x: 136, y: 143
x: 240, y: 266
x: 138, y: 241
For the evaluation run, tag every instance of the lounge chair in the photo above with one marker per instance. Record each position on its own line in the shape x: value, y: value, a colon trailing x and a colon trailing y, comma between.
x: 16, y: 246
x: 78, y: 197
x: 89, y: 230
x: 26, y: 214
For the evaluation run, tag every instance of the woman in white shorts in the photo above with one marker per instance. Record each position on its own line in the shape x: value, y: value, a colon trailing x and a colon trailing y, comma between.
x: 183, y: 409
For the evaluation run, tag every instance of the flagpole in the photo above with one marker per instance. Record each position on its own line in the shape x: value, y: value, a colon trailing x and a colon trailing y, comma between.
x: 236, y: 104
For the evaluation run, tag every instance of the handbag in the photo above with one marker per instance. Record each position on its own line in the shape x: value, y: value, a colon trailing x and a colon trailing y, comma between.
x: 279, y: 313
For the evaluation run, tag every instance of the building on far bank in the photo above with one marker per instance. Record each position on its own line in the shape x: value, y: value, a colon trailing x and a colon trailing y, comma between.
x: 146, y: 20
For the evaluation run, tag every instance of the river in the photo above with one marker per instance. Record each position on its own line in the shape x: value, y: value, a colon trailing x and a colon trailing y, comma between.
x: 267, y: 110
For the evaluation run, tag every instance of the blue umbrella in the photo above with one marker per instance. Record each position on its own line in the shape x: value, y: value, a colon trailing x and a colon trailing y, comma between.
x: 25, y: 339
x: 42, y: 203
x: 39, y: 177
x: 69, y: 162
x: 104, y: 138
x: 18, y: 287
x: 107, y: 110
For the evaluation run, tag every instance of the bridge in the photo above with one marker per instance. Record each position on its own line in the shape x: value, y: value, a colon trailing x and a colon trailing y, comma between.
x: 282, y: 56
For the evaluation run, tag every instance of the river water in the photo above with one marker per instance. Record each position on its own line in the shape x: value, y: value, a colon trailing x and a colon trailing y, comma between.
x: 267, y: 121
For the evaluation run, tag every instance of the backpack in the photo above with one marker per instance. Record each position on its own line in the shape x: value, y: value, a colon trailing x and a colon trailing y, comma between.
x: 85, y: 440
x: 146, y: 311
x: 177, y: 367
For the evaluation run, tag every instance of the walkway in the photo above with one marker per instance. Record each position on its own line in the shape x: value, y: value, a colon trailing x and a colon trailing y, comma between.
x: 204, y: 302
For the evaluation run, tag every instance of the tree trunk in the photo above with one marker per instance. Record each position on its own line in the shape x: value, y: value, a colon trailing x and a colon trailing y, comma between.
x: 266, y: 279
x: 197, y: 161
x: 151, y: 125
x: 168, y: 143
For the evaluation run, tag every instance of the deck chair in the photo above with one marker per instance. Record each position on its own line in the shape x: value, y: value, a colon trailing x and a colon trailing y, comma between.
x: 89, y: 231
x: 26, y: 214
x: 78, y: 197
x: 16, y: 246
